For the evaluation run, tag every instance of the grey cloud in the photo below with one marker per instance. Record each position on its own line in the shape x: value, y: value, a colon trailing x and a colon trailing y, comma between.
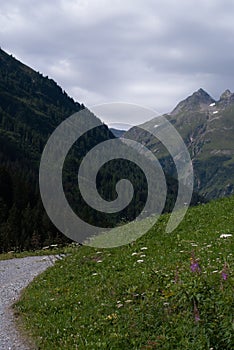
x: 149, y: 52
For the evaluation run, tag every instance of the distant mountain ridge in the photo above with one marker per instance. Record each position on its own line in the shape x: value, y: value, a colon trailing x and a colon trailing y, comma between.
x: 117, y: 132
x: 207, y: 128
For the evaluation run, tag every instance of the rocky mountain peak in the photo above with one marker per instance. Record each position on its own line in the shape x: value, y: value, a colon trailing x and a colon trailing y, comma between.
x: 226, y: 95
x: 201, y: 93
x: 200, y: 99
x: 200, y: 96
x: 226, y: 99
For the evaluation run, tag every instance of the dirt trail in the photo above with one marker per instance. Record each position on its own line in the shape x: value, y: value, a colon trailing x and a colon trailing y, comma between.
x: 15, y: 275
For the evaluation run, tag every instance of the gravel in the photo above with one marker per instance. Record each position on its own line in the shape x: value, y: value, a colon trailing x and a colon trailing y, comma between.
x: 16, y: 274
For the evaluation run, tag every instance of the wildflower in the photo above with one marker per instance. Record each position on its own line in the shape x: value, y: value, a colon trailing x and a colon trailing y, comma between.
x: 119, y: 306
x: 111, y: 317
x: 140, y: 261
x: 224, y: 273
x: 95, y: 274
x: 224, y: 276
x: 99, y: 261
x: 142, y: 256
x: 194, y: 265
x: 196, y: 312
x: 225, y: 235
x: 144, y: 248
x: 134, y: 253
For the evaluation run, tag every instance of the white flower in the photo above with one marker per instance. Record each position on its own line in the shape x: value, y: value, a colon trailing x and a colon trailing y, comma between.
x: 142, y: 256
x: 214, y: 271
x: 140, y: 261
x: 99, y: 261
x: 134, y: 253
x: 225, y: 235
x: 144, y: 248
x: 95, y: 274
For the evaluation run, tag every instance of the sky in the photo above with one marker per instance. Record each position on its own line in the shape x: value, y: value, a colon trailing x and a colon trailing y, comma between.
x: 153, y: 53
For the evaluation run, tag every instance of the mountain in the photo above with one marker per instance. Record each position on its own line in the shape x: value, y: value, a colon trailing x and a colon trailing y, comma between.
x: 119, y: 126
x: 117, y: 132
x: 207, y: 128
x: 31, y: 107
x: 199, y: 100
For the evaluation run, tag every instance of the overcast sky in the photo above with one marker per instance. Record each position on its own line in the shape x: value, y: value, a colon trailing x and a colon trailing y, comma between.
x: 150, y: 52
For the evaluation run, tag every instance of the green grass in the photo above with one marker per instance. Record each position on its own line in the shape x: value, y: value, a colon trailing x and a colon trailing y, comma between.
x: 69, y: 249
x: 135, y: 298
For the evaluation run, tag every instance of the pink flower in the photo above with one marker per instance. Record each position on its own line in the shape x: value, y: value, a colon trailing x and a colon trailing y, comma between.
x: 194, y: 265
x: 224, y: 273
x: 196, y: 312
x: 224, y: 276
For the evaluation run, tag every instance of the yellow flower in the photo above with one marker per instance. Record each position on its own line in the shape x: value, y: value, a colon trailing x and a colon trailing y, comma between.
x: 111, y: 317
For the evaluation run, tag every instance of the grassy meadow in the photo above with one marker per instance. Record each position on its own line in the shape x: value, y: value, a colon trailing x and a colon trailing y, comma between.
x: 164, y: 291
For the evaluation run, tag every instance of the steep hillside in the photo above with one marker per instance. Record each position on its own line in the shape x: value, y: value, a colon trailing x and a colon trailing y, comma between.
x: 31, y: 107
x: 207, y: 128
x: 164, y: 291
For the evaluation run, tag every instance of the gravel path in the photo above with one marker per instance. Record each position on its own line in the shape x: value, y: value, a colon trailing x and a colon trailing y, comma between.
x: 16, y: 274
